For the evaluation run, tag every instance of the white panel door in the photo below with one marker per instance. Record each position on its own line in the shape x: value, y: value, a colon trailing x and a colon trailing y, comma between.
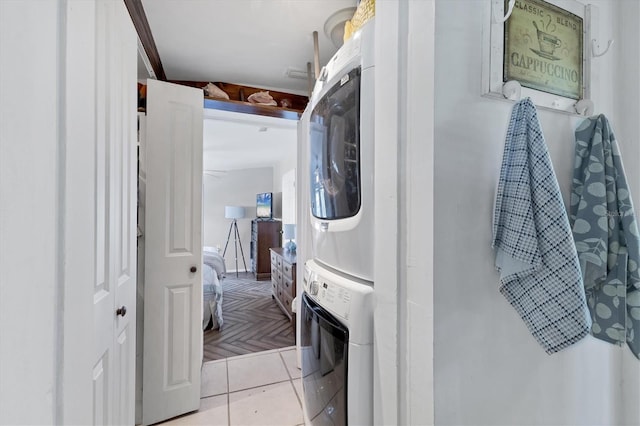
x: 115, y: 218
x: 173, y: 252
x: 103, y: 286
x: 123, y: 218
x: 99, y: 214
x: 289, y: 197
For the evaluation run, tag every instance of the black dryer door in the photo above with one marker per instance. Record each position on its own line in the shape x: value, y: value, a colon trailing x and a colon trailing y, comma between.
x: 334, y: 137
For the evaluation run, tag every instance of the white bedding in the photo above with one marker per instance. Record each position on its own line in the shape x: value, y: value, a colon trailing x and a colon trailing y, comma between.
x: 212, y: 298
x: 213, y: 271
x: 211, y: 257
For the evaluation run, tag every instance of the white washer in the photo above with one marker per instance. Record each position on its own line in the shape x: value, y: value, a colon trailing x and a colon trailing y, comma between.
x: 336, y: 340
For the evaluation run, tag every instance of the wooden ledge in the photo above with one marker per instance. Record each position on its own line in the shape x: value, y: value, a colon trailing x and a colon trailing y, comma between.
x: 249, y: 108
x: 238, y: 95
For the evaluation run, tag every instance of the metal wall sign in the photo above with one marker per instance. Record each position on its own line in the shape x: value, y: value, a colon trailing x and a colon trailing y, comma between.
x: 543, y: 48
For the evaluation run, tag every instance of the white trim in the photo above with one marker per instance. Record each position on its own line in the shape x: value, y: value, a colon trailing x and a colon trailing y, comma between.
x: 145, y: 59
x: 59, y: 328
x: 386, y: 398
x: 417, y: 213
x: 242, y: 118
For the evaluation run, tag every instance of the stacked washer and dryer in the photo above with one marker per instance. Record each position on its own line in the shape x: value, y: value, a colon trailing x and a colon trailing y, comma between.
x: 336, y: 332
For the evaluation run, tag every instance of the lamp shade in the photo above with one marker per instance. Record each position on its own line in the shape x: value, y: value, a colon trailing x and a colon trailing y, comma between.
x: 233, y: 212
x: 289, y: 231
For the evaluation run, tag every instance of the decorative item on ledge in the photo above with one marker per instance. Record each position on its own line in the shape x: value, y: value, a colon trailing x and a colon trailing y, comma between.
x: 289, y: 105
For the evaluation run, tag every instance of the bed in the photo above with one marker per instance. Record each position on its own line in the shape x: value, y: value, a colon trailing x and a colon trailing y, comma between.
x: 213, y: 272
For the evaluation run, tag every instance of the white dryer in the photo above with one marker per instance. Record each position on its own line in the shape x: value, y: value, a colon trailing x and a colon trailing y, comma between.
x: 336, y: 340
x: 341, y: 158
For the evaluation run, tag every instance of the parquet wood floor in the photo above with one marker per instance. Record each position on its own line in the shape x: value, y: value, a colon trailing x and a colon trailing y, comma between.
x: 252, y: 321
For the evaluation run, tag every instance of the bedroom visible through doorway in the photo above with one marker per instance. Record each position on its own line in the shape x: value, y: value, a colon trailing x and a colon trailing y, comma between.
x: 244, y: 155
x: 253, y: 322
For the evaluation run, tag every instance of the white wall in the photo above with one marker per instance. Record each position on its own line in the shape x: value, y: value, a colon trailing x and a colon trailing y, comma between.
x: 233, y: 188
x: 488, y: 368
x: 627, y: 131
x: 29, y: 108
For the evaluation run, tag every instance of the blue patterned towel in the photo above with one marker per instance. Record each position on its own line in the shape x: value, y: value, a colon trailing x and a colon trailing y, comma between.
x: 535, y: 254
x: 605, y: 230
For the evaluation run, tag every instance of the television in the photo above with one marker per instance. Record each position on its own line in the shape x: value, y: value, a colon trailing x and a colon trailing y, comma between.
x: 264, y: 205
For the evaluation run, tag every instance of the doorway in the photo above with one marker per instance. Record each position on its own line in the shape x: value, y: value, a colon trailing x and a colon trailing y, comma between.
x: 244, y: 155
x: 178, y: 138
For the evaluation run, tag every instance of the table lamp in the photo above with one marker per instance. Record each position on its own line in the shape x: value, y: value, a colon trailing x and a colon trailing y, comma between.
x: 289, y: 233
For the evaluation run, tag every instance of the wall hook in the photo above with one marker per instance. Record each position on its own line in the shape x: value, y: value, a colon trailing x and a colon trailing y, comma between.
x: 584, y: 107
x: 595, y: 45
x: 512, y: 90
x: 509, y: 11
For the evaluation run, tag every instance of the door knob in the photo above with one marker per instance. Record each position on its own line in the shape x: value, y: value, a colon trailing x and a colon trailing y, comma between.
x: 194, y: 269
x: 121, y: 311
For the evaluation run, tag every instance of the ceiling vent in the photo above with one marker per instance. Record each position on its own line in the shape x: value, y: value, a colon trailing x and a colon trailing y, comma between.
x: 296, y: 73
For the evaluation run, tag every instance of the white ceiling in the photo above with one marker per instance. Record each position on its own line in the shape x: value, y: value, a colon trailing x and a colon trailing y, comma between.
x: 242, y: 141
x: 247, y: 42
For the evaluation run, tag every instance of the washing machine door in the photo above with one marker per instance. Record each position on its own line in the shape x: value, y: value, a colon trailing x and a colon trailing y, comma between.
x: 334, y: 137
x: 324, y: 343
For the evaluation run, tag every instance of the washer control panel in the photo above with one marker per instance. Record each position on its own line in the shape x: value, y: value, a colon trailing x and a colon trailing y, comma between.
x: 314, y: 286
x: 335, y: 298
x: 330, y: 294
x: 347, y: 299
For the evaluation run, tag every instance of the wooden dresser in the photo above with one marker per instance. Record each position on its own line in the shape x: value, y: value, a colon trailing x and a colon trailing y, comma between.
x: 264, y: 234
x: 283, y: 279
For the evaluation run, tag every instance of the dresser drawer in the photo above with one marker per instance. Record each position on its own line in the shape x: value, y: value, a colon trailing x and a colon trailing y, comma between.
x: 287, y: 286
x: 287, y: 299
x: 275, y: 273
x: 280, y: 293
x: 283, y: 279
x: 287, y: 270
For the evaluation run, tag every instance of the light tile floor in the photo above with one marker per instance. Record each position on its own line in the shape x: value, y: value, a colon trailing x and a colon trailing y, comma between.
x: 263, y: 389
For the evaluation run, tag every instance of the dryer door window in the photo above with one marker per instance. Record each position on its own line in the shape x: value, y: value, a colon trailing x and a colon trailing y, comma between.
x: 324, y: 345
x: 335, y: 150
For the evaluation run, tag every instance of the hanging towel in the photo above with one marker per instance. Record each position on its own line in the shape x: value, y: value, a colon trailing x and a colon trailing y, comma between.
x: 605, y: 230
x: 535, y: 253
